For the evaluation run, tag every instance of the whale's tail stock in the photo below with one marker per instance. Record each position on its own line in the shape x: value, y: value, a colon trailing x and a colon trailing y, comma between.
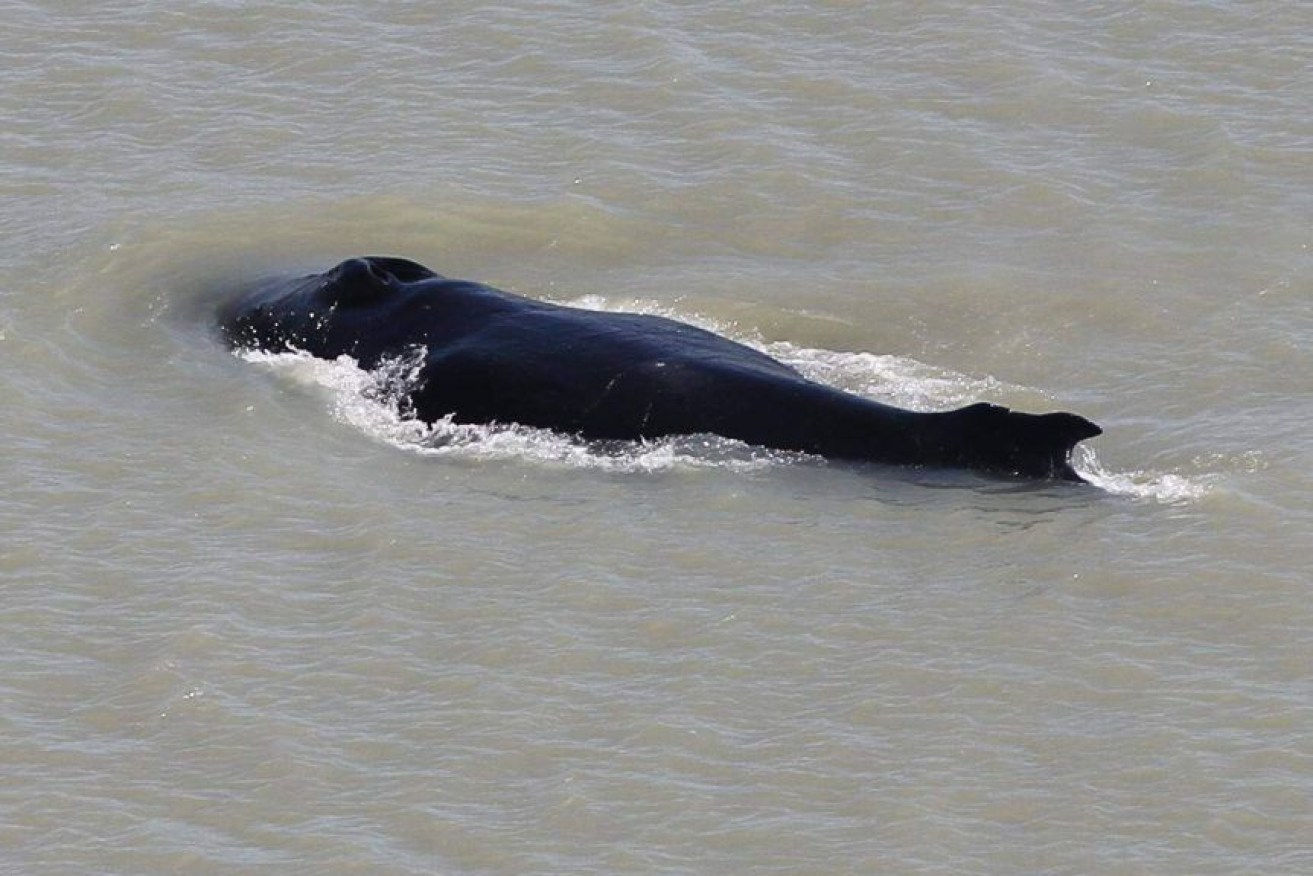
x: 993, y: 438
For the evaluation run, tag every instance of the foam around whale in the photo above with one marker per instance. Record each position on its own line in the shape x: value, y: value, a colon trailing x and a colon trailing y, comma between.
x: 484, y: 356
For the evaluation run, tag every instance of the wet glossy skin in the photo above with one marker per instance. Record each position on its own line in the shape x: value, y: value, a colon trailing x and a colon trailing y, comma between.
x: 490, y: 356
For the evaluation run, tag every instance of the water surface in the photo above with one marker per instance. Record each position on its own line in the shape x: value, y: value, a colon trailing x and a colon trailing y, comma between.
x: 254, y: 622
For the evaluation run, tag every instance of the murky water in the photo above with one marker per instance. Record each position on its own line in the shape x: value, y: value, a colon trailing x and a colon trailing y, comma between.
x: 254, y: 621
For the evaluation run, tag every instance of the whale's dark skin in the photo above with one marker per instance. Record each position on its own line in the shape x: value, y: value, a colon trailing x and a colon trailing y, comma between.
x: 494, y: 357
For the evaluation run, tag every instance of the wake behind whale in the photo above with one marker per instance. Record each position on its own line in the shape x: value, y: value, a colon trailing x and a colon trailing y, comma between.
x: 484, y: 356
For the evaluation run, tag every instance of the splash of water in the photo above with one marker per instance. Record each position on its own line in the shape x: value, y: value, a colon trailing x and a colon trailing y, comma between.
x: 1164, y: 488
x: 376, y: 403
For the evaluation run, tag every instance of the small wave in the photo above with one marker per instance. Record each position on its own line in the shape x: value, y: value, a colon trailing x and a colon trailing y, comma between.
x: 895, y: 380
x: 375, y: 403
x: 1164, y: 488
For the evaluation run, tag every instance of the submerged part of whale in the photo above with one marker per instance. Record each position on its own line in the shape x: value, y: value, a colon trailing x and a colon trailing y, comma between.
x: 493, y: 357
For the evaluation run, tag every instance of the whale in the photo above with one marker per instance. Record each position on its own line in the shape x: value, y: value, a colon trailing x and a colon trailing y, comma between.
x: 486, y: 356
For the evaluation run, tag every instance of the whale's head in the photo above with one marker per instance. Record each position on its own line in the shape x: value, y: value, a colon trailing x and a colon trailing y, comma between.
x: 323, y: 314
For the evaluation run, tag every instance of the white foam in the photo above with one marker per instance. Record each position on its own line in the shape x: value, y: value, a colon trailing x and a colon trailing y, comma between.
x: 1162, y: 487
x: 895, y: 380
x: 375, y: 403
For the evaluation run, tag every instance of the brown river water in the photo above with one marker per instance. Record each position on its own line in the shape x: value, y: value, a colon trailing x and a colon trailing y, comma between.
x: 252, y: 620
